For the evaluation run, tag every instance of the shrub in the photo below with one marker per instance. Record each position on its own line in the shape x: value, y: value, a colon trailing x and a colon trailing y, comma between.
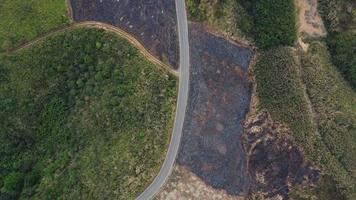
x: 275, y: 22
x: 343, y: 50
x: 13, y: 183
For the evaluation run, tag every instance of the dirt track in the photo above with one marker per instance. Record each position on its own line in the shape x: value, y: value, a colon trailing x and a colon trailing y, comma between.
x: 104, y: 26
x: 152, y: 22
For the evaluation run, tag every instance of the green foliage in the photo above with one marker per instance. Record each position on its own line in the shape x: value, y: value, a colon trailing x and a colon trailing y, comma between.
x: 326, y: 189
x: 12, y: 185
x: 275, y: 22
x: 343, y: 50
x: 228, y: 15
x: 334, y: 103
x: 339, y: 15
x: 280, y: 90
x: 330, y: 143
x: 21, y: 21
x: 340, y: 18
x: 271, y: 23
x: 84, y: 116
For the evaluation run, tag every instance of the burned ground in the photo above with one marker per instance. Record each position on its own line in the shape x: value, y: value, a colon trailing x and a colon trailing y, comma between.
x: 275, y: 163
x: 219, y: 99
x: 152, y: 22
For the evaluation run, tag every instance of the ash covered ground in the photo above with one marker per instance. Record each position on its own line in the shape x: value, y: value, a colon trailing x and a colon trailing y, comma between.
x: 275, y: 163
x: 220, y: 93
x: 152, y: 22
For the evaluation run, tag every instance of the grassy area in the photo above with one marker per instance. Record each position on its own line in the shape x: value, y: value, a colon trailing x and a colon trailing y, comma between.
x: 340, y: 18
x: 274, y: 22
x: 280, y: 91
x: 334, y: 103
x: 330, y: 143
x: 339, y: 15
x: 21, y: 21
x: 84, y: 116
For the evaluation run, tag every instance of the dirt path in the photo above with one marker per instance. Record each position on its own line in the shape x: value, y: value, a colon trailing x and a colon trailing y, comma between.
x: 106, y: 27
x: 310, y: 21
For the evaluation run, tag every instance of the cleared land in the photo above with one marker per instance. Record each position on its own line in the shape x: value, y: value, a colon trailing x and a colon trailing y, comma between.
x: 85, y: 116
x: 21, y: 21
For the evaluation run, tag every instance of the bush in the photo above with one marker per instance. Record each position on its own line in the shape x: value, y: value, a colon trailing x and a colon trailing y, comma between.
x: 275, y: 22
x: 343, y: 50
x: 334, y: 106
x: 13, y: 183
x: 280, y: 91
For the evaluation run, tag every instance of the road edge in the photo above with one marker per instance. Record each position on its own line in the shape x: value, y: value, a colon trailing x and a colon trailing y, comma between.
x: 183, y: 93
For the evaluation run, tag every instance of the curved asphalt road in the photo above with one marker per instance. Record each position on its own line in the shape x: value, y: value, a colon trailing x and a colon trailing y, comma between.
x: 172, y: 152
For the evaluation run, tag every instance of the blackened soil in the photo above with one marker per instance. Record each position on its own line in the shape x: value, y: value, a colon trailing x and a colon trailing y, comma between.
x: 219, y: 99
x: 152, y: 22
x: 275, y: 163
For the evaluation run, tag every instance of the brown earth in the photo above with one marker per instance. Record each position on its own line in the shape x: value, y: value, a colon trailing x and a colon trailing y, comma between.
x: 185, y: 185
x: 310, y: 21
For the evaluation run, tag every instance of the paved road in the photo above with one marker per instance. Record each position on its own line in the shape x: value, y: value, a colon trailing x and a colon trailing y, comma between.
x: 181, y: 104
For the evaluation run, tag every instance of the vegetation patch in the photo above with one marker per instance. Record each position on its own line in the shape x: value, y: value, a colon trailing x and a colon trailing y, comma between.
x: 21, y: 21
x: 330, y: 142
x: 229, y: 15
x: 84, y: 116
x: 271, y: 23
x: 340, y: 18
x: 334, y: 103
x: 274, y: 22
x: 280, y: 91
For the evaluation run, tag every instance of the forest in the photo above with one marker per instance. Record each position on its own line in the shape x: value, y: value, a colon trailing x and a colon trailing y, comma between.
x: 84, y: 116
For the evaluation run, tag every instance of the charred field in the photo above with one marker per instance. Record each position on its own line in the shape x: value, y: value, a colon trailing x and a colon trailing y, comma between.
x: 220, y: 143
x: 219, y: 98
x: 152, y: 22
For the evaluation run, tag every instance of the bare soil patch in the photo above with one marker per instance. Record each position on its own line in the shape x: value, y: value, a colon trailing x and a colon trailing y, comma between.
x: 310, y: 22
x: 184, y: 185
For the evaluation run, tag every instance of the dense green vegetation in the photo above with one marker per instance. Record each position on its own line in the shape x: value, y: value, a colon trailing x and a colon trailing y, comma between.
x: 21, y: 21
x: 340, y: 19
x: 343, y: 50
x: 330, y: 143
x: 274, y: 22
x: 270, y: 23
x: 228, y: 15
x: 280, y: 91
x: 83, y: 116
x: 338, y: 15
x: 334, y: 103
